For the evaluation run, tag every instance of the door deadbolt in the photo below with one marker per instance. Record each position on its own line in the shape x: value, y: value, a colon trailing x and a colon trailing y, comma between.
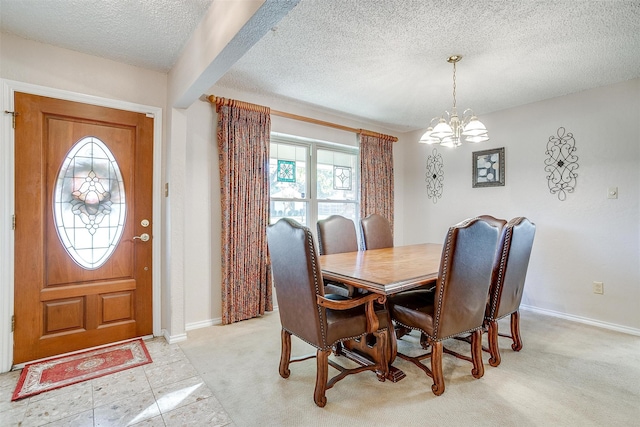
x: 144, y: 223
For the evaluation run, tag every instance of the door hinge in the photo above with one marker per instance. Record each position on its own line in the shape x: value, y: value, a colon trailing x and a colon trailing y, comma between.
x: 13, y: 115
x: 13, y: 222
x: 13, y: 323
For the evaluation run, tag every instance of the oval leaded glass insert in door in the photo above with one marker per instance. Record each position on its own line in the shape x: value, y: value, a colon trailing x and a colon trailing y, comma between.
x: 89, y: 203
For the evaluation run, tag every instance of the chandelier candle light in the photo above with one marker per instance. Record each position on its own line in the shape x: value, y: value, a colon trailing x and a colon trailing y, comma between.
x: 451, y: 133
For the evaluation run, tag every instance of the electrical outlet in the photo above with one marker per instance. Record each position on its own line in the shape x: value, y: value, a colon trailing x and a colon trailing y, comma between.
x: 598, y: 288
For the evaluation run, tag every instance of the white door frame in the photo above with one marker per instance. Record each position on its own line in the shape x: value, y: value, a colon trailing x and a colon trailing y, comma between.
x: 7, y: 200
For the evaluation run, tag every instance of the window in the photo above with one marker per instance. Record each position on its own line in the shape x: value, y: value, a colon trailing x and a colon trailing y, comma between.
x: 89, y: 203
x: 311, y: 180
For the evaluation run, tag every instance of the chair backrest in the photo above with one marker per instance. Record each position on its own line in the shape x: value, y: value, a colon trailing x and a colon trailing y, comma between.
x: 297, y: 279
x: 464, y: 279
x: 501, y: 223
x: 509, y: 277
x: 336, y: 234
x: 376, y: 232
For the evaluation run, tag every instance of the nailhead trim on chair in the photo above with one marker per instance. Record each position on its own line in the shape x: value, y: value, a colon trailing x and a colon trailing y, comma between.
x: 439, y: 339
x: 501, y: 271
x: 315, y: 279
x: 444, y: 272
x: 327, y: 347
x: 316, y: 284
x: 442, y: 278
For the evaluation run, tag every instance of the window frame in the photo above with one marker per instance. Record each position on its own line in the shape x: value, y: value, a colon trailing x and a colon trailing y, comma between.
x: 311, y: 194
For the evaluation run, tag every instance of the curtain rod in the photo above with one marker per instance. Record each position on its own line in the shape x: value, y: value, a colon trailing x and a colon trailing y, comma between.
x: 212, y: 99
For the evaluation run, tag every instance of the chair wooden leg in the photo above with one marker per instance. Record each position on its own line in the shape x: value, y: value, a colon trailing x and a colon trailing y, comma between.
x: 515, y: 331
x: 285, y: 354
x: 322, y: 374
x: 476, y: 354
x: 424, y: 341
x: 436, y: 368
x: 401, y: 331
x: 494, y: 350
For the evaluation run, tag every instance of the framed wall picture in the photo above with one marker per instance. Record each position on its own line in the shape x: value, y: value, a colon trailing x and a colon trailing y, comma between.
x: 488, y: 168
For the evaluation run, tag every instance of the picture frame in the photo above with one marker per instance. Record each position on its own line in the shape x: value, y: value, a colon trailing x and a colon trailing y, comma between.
x: 488, y: 168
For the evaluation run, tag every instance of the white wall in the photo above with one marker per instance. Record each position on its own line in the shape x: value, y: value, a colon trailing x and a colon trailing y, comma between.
x: 583, y: 239
x: 41, y: 64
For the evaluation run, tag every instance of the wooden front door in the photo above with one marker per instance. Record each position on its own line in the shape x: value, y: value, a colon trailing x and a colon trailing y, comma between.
x: 83, y: 195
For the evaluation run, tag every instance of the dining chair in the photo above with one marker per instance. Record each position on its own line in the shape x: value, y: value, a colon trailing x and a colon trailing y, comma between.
x: 376, y: 232
x: 507, y: 284
x: 337, y: 234
x: 316, y: 319
x: 458, y: 304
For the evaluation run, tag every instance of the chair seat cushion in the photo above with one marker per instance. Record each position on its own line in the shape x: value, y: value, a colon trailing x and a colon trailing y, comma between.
x: 350, y: 323
x: 413, y: 309
x: 337, y: 289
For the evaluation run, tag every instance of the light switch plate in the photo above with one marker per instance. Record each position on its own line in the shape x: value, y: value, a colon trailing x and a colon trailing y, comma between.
x: 598, y: 288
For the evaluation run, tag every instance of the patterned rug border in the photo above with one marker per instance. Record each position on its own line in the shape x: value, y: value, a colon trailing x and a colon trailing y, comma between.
x: 32, y: 372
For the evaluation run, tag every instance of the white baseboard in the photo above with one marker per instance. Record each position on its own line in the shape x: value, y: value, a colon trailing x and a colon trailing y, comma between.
x: 585, y: 320
x: 202, y: 324
x: 210, y: 322
x: 172, y: 339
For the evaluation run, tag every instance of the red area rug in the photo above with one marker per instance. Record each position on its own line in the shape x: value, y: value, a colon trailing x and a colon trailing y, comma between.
x: 62, y: 371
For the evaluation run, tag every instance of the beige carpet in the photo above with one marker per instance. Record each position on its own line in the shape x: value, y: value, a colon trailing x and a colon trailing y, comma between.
x: 567, y: 374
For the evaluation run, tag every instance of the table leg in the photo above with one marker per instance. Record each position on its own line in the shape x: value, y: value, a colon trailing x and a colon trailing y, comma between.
x: 360, y: 352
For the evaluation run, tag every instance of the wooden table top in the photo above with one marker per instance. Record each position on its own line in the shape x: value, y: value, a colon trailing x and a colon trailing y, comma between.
x: 385, y: 271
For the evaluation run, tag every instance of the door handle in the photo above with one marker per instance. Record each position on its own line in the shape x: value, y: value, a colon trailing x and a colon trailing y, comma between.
x: 144, y: 237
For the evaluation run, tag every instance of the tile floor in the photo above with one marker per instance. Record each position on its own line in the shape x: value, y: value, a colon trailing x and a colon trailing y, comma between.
x: 167, y: 392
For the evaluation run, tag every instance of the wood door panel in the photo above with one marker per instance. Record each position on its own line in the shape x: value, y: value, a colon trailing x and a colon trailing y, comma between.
x: 116, y: 307
x: 61, y: 306
x: 64, y: 315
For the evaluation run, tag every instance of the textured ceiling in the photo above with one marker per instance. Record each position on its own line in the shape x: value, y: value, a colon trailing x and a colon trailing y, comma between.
x: 148, y: 34
x: 380, y: 60
x: 385, y: 60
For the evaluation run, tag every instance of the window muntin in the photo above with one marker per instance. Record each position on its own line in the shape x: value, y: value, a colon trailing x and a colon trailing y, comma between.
x: 89, y: 203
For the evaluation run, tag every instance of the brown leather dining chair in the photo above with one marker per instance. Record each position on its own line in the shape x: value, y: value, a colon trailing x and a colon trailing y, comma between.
x: 307, y: 313
x: 458, y: 303
x: 507, y: 285
x: 376, y: 232
x: 337, y: 234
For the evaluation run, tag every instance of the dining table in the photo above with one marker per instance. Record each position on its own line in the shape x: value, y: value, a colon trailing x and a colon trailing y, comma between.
x: 385, y: 272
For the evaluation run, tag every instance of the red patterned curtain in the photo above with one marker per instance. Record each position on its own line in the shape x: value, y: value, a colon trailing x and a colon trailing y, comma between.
x: 243, y: 146
x: 376, y: 175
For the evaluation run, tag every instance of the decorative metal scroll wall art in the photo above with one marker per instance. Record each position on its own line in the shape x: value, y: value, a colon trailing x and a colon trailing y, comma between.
x: 434, y: 176
x: 561, y: 164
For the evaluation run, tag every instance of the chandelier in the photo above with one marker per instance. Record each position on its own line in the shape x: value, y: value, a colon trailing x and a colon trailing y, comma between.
x: 452, y: 131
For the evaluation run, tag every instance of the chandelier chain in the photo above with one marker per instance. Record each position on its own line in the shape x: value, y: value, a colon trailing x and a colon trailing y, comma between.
x: 454, y: 85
